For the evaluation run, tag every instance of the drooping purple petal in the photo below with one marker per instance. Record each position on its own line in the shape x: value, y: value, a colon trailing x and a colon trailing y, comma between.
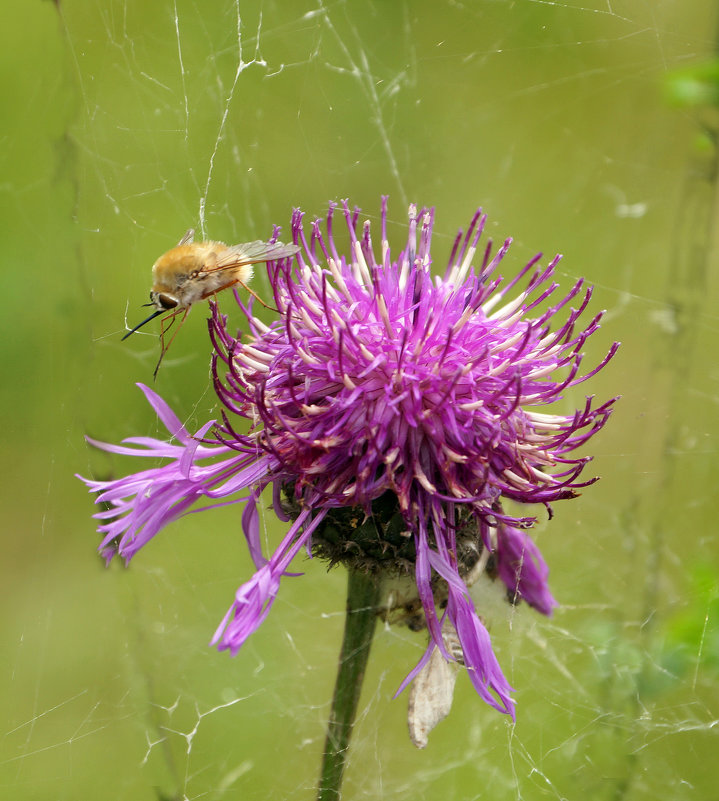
x: 143, y: 503
x: 255, y: 597
x: 482, y: 665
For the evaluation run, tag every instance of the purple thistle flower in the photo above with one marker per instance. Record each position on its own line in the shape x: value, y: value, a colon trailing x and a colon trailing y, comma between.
x: 384, y: 400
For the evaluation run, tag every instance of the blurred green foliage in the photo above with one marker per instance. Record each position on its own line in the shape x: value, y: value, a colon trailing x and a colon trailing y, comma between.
x: 692, y: 636
x: 693, y: 86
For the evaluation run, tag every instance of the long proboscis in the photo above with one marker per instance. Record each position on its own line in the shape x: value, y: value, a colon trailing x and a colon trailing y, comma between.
x: 139, y: 325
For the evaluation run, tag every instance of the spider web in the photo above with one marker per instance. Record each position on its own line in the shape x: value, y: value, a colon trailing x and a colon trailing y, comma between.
x: 223, y: 116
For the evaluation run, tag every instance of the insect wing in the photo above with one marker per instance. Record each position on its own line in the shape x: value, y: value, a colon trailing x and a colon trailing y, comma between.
x: 187, y: 238
x: 251, y: 253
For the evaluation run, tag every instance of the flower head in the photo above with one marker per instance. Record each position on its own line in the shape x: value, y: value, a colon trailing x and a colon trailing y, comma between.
x: 394, y: 415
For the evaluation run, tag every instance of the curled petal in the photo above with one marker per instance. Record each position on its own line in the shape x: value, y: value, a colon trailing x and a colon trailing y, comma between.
x: 522, y: 568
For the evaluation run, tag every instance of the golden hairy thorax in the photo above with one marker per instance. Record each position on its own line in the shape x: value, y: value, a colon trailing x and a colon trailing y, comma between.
x: 194, y: 271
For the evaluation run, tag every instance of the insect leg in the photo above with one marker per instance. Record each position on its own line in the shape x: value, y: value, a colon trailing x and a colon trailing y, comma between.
x: 244, y: 286
x: 167, y: 323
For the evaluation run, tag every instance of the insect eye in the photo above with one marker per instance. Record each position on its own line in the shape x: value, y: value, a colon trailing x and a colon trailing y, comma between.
x: 166, y: 301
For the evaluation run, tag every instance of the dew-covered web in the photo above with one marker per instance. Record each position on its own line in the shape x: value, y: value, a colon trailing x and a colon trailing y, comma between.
x: 554, y: 117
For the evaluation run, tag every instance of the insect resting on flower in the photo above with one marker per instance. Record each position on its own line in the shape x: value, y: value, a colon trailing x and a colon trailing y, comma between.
x: 193, y: 271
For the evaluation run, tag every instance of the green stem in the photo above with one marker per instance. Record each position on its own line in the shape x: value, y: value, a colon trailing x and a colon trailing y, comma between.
x: 362, y: 598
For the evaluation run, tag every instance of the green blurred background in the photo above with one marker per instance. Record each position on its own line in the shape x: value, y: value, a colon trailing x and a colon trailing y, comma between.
x: 578, y: 128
